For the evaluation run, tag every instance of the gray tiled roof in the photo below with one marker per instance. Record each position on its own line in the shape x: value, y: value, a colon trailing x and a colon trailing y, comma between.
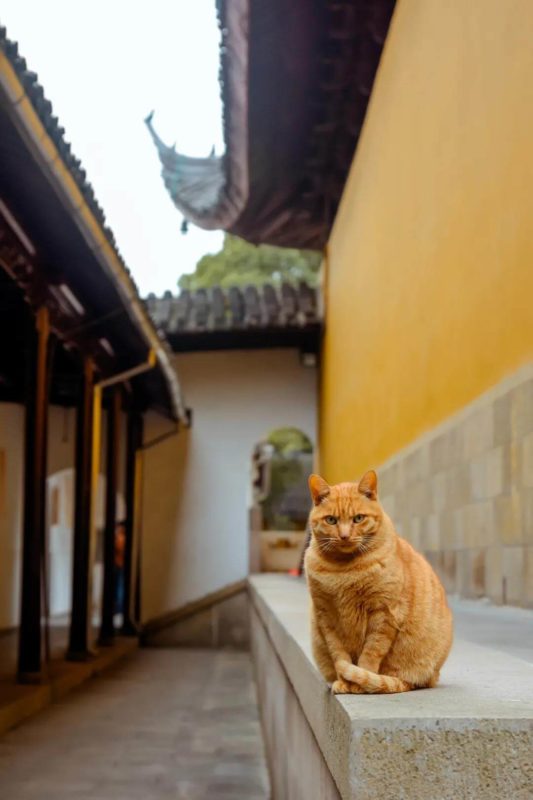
x: 236, y: 308
x: 102, y: 285
x: 45, y: 112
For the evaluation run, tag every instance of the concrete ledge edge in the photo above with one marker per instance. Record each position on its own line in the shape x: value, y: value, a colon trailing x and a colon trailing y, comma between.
x: 486, y: 746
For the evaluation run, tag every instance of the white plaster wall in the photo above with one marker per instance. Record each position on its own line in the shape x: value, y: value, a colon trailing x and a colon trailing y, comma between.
x: 60, y: 528
x: 61, y: 454
x: 60, y: 539
x: 195, y: 485
x: 61, y: 436
x: 61, y: 450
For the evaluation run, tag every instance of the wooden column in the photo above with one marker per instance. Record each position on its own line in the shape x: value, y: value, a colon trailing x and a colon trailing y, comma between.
x: 138, y: 513
x: 36, y: 428
x: 107, y: 629
x: 134, y: 442
x: 79, y: 642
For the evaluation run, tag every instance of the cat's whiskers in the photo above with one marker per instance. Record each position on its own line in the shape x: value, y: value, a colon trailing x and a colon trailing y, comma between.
x: 327, y: 544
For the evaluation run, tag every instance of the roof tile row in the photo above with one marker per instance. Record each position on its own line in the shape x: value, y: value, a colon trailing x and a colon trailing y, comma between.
x: 50, y: 122
x: 220, y: 309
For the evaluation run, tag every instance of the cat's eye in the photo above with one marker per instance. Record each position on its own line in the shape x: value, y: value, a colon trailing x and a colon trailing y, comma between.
x: 331, y: 520
x: 358, y: 518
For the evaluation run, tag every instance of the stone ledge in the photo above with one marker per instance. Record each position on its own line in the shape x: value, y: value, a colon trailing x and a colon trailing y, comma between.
x: 472, y: 736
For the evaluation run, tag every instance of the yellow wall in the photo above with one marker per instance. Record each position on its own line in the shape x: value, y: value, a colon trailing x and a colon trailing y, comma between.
x: 430, y: 276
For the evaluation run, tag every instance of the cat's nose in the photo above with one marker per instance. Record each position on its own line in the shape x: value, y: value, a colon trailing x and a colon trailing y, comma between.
x: 344, y: 533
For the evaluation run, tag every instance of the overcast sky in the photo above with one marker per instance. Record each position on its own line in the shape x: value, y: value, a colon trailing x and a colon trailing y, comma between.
x: 104, y: 65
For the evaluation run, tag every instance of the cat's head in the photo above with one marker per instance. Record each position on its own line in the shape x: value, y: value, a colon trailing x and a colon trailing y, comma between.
x: 346, y: 518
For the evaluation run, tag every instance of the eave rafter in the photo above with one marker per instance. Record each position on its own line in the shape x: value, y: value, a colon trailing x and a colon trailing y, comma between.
x: 26, y: 272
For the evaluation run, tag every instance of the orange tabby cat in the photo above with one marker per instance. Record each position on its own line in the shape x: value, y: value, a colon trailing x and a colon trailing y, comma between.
x: 380, y: 620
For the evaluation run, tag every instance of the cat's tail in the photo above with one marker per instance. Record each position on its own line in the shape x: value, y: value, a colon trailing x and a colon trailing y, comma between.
x: 371, y: 682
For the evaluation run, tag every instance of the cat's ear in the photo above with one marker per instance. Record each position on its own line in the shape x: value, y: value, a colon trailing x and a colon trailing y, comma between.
x: 368, y: 485
x: 319, y: 488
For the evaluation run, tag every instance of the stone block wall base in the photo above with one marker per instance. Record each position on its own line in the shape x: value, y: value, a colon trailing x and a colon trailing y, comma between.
x: 463, y: 494
x: 296, y: 765
x: 219, y: 620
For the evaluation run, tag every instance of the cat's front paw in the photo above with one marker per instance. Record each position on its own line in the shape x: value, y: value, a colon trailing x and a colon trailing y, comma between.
x: 340, y: 686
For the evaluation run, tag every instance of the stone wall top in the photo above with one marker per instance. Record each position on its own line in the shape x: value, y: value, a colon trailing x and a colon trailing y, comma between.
x: 472, y: 736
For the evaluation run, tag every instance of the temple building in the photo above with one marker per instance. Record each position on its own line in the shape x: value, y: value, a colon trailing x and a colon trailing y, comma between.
x: 394, y: 138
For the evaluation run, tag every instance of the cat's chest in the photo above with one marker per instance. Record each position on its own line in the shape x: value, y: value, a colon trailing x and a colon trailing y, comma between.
x: 350, y: 604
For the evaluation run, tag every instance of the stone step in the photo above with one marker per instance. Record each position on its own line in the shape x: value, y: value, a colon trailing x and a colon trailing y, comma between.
x: 471, y: 737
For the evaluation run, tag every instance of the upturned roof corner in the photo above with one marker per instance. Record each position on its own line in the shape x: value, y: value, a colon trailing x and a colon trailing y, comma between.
x: 295, y: 82
x: 212, y: 192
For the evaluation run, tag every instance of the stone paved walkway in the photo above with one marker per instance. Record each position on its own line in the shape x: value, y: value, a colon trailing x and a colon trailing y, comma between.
x: 167, y: 724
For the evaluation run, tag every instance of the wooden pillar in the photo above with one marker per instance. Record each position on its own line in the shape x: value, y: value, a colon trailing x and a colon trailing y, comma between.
x: 134, y: 442
x: 138, y: 514
x: 107, y: 629
x: 36, y: 428
x: 79, y: 642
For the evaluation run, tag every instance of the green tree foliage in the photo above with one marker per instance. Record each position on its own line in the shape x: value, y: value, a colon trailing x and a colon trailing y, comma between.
x: 289, y: 467
x: 240, y: 264
x: 286, y: 441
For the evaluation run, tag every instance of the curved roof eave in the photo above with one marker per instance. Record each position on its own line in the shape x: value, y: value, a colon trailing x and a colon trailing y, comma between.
x: 212, y: 192
x: 296, y: 80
